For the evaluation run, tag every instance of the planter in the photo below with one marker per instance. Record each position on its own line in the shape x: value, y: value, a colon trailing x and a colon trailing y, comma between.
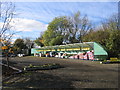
x: 42, y: 67
x: 110, y: 62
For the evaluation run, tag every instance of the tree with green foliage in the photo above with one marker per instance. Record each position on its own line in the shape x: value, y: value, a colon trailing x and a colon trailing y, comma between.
x: 19, y: 45
x: 113, y: 44
x: 111, y: 26
x: 57, y: 41
x: 66, y: 29
x: 108, y: 36
x: 55, y: 32
x: 99, y: 36
x: 39, y: 42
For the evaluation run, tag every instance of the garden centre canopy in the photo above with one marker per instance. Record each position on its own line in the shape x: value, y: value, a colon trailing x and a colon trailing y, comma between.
x: 76, y: 47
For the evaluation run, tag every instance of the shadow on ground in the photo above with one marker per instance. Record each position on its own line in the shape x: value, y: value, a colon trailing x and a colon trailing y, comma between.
x: 36, y: 80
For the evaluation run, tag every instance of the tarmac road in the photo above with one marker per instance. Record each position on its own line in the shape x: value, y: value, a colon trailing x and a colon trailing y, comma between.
x: 75, y: 74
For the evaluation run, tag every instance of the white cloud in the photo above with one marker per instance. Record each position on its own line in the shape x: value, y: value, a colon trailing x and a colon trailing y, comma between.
x: 27, y: 27
x: 20, y: 24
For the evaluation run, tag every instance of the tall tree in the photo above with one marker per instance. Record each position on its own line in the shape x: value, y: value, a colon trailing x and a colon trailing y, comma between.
x: 66, y: 29
x: 54, y: 32
x: 7, y: 12
x: 81, y: 25
x: 108, y: 36
x: 111, y: 25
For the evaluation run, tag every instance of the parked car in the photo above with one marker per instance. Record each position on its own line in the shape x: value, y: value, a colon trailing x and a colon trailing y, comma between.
x: 21, y: 55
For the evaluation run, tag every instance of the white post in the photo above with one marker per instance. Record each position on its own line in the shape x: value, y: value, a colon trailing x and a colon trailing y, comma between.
x: 40, y: 54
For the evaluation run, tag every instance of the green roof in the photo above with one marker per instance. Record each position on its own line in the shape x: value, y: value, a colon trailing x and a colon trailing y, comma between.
x: 99, y: 50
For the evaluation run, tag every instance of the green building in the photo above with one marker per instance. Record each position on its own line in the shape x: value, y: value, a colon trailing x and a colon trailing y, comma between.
x: 99, y: 52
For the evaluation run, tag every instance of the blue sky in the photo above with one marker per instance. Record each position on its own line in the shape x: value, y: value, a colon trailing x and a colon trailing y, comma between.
x: 46, y: 11
x: 33, y: 17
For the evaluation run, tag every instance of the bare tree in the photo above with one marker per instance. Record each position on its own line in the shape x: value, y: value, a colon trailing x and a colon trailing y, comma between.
x: 7, y: 13
x: 78, y: 26
x: 81, y: 25
x: 111, y: 24
x: 28, y: 42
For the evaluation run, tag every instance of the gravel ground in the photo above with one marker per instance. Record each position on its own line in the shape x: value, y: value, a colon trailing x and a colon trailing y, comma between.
x: 74, y: 74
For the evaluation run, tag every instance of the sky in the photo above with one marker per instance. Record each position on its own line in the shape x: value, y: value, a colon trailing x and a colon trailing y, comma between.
x: 34, y: 17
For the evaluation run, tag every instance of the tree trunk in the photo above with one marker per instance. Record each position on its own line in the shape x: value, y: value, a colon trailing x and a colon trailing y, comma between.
x: 7, y: 59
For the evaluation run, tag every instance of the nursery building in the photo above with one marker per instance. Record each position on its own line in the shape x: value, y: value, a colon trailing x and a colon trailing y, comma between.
x: 85, y: 50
